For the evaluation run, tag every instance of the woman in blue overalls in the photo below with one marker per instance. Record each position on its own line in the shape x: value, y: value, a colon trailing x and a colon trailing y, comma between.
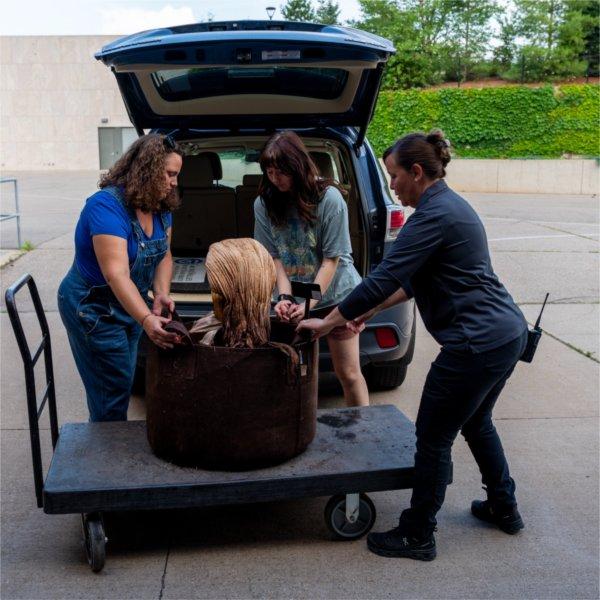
x: 121, y: 252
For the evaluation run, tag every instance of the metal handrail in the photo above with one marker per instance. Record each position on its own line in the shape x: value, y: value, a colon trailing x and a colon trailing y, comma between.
x: 16, y: 215
x: 29, y: 362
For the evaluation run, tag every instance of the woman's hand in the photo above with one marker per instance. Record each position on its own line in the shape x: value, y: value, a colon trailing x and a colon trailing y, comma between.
x: 282, y: 309
x: 296, y: 312
x: 318, y: 327
x: 358, y: 324
x: 162, y: 302
x: 153, y: 326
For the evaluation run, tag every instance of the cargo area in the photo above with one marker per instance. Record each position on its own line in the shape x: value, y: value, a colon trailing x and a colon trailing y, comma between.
x: 218, y: 185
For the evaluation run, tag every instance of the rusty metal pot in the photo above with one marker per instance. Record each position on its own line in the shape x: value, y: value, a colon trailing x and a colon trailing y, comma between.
x: 232, y: 408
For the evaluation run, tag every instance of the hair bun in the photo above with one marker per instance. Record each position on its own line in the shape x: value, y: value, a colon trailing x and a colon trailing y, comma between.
x: 437, y: 138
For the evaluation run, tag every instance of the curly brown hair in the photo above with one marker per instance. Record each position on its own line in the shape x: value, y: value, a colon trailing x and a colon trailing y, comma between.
x: 286, y: 151
x: 141, y: 172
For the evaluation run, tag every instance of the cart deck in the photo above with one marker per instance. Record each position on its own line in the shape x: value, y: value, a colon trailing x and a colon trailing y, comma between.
x: 110, y: 466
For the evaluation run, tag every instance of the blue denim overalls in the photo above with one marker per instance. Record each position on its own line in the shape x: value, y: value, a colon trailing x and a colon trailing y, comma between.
x: 102, y: 335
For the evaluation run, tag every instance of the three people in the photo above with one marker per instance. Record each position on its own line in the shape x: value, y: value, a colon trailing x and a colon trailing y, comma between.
x: 121, y: 252
x: 302, y: 220
x: 441, y: 258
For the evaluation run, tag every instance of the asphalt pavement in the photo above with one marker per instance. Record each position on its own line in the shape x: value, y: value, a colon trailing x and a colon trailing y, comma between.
x: 547, y: 417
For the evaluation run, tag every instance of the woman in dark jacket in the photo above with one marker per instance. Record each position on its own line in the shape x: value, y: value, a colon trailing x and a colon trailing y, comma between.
x: 441, y: 259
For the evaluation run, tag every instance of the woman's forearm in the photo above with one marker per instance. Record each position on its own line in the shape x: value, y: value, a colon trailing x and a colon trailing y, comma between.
x: 128, y: 295
x: 325, y: 274
x: 396, y: 298
x: 163, y: 275
x: 283, y: 283
x: 111, y: 253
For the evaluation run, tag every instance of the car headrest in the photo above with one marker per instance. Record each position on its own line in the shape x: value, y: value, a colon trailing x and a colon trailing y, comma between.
x: 200, y: 170
x: 252, y: 180
x: 324, y: 164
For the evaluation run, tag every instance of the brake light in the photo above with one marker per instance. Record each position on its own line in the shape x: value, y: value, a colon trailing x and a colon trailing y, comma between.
x: 386, y: 337
x: 395, y: 221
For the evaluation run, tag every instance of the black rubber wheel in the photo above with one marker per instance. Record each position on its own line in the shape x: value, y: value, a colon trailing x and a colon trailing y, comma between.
x: 340, y: 527
x: 386, y: 377
x: 94, y: 541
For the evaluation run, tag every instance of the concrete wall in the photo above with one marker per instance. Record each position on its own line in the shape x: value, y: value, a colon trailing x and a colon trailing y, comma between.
x: 53, y: 95
x: 566, y: 176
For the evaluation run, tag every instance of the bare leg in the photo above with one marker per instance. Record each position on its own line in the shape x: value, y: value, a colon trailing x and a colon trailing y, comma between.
x: 346, y: 364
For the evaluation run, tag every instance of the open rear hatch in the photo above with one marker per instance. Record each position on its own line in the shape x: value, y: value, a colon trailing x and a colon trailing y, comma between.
x: 246, y: 75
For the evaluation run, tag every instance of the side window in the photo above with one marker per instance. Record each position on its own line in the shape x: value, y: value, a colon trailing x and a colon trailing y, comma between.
x: 383, y: 180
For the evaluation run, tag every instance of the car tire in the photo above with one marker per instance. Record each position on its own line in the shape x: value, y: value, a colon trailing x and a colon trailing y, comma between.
x: 387, y: 376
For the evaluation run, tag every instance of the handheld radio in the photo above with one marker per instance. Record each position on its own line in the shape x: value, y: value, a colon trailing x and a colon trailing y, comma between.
x: 533, y: 337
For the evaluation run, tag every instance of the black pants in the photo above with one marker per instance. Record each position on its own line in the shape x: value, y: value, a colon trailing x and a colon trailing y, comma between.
x: 459, y: 394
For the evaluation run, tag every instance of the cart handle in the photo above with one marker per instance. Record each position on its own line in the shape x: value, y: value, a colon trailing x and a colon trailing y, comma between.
x: 29, y: 362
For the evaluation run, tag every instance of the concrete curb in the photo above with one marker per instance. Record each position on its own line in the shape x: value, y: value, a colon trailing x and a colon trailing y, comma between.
x: 10, y: 257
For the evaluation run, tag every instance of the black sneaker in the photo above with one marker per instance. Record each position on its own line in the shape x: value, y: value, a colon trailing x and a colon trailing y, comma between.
x: 509, y: 520
x: 396, y: 544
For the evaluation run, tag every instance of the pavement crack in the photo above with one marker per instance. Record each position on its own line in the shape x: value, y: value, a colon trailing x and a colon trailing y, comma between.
x: 586, y: 353
x: 162, y: 580
x: 567, y: 300
x: 579, y: 235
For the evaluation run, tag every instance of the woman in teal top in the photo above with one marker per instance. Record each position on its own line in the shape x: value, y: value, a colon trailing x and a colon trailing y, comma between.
x: 302, y: 220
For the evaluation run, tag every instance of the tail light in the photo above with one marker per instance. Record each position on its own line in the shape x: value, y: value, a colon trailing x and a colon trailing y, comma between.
x: 395, y: 220
x: 386, y: 337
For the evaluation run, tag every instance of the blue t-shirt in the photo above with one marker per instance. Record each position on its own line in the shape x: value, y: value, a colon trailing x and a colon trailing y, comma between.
x: 103, y: 214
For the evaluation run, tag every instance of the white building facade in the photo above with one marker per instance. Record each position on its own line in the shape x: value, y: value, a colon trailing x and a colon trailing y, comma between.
x: 60, y: 108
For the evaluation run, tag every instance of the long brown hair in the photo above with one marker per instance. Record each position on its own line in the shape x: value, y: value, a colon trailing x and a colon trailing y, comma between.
x: 286, y: 151
x: 141, y: 172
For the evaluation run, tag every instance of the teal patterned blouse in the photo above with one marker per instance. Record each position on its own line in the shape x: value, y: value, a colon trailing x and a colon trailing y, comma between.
x: 301, y: 247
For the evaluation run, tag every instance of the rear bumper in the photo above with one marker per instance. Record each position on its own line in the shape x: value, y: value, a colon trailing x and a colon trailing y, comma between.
x: 399, y: 318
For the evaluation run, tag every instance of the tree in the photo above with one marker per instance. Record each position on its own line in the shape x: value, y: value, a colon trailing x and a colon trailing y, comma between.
x: 580, y: 32
x: 328, y: 12
x: 416, y: 28
x: 298, y: 10
x: 469, y: 32
x: 555, y: 33
x: 539, y: 20
x: 505, y: 52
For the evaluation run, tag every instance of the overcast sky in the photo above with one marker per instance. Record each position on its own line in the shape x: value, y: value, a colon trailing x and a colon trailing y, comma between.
x: 113, y: 17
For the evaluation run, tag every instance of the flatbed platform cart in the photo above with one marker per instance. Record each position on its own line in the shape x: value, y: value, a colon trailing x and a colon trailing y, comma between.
x: 102, y: 467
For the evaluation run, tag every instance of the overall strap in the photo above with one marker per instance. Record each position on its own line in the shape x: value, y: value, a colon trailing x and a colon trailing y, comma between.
x: 164, y: 221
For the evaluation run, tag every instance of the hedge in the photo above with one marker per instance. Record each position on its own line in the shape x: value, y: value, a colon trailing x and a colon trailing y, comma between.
x: 502, y: 122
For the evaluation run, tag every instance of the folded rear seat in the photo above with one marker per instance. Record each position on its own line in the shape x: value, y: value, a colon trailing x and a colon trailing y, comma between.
x: 245, y: 196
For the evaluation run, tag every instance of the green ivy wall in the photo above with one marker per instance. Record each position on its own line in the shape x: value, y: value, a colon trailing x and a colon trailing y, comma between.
x: 503, y: 122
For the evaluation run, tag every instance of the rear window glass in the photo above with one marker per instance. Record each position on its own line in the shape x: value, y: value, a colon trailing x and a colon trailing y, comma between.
x: 187, y: 84
x: 235, y: 162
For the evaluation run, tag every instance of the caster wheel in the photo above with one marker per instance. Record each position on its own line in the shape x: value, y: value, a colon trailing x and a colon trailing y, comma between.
x: 338, y: 523
x: 94, y: 541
